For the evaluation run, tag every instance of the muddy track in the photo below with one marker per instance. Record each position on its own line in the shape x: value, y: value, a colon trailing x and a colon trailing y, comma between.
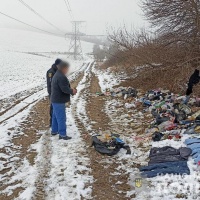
x: 43, y: 167
x: 38, y: 120
x: 16, y: 103
x: 104, y: 180
x: 22, y: 109
x: 19, y: 106
x: 44, y: 164
x: 21, y: 145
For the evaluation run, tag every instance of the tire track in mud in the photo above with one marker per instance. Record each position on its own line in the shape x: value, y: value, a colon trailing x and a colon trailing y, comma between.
x: 44, y: 164
x: 95, y: 159
x: 14, y: 110
x: 22, y: 109
x: 111, y: 174
x: 32, y: 124
x: 8, y: 103
x: 20, y: 147
x: 102, y: 171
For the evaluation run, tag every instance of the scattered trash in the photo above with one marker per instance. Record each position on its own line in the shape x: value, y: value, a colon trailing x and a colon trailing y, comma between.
x: 109, y: 144
x: 171, y: 121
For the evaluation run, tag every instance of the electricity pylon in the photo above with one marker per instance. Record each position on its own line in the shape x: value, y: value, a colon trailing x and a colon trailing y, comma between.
x: 75, y: 43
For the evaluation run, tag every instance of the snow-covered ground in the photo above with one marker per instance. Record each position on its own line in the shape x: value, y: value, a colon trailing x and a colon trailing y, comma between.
x: 25, y: 58
x: 68, y: 163
x: 22, y: 70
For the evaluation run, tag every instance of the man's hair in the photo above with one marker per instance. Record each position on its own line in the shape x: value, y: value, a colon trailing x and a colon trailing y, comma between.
x: 58, y: 61
x: 63, y: 65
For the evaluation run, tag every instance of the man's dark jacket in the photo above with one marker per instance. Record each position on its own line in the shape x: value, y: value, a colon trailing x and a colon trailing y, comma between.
x: 50, y: 74
x: 60, y: 88
x: 194, y: 79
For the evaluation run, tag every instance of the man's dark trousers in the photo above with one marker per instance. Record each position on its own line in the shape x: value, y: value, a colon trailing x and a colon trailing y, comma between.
x: 59, y: 119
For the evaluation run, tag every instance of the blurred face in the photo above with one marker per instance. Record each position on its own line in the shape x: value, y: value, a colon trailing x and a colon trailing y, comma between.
x: 65, y: 70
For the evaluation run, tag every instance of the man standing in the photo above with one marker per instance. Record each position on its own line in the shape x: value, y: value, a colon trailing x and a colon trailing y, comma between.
x: 60, y: 94
x: 194, y: 80
x: 49, y: 76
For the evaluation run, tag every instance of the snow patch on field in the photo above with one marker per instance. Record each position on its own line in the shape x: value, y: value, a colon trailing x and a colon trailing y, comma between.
x: 106, y: 79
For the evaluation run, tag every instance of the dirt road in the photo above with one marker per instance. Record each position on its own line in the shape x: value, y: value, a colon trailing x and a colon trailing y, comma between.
x: 36, y: 165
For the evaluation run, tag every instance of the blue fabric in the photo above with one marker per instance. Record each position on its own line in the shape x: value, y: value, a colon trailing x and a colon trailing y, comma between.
x: 173, y: 170
x: 163, y: 165
x: 195, y: 155
x: 194, y: 146
x: 59, y: 119
x: 192, y: 141
x: 165, y: 168
x: 195, y: 151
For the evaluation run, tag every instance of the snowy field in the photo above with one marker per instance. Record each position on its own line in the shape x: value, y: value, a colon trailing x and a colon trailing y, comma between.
x: 22, y: 70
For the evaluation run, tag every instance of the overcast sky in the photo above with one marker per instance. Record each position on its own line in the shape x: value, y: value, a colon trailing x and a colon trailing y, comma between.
x: 99, y: 14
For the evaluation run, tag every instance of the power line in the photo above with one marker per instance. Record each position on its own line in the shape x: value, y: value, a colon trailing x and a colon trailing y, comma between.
x: 30, y: 25
x: 40, y: 16
x: 69, y: 9
x: 75, y: 43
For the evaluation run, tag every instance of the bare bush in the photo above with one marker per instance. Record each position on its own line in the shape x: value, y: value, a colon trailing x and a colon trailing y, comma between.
x: 178, y: 21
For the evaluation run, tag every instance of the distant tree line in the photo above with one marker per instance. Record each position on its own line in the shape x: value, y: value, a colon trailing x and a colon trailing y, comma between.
x: 173, y: 40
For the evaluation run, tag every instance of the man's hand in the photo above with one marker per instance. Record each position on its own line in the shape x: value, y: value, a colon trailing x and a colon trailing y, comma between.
x: 74, y: 91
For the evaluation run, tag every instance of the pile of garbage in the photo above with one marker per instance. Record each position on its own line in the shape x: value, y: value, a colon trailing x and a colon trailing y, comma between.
x: 171, y: 116
x: 125, y: 92
x: 172, y: 120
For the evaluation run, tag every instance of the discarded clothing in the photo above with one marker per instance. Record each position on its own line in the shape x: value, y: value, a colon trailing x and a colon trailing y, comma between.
x: 109, y: 148
x: 168, y: 125
x: 190, y: 130
x: 167, y: 160
x: 197, y: 120
x: 157, y: 136
x: 160, y: 120
x: 197, y: 159
x: 194, y: 144
x: 182, y: 108
x: 119, y: 92
x: 168, y: 154
x: 196, y: 151
x: 153, y: 170
x: 192, y: 141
